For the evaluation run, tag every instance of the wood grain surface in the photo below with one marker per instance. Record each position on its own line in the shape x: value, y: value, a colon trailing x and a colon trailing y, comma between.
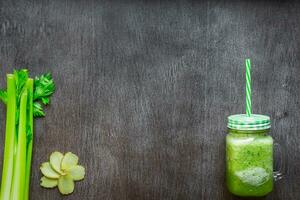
x: 144, y: 89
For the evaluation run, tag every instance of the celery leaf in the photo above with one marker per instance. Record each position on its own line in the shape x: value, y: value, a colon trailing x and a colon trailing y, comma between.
x: 3, y: 96
x: 38, y: 110
x: 43, y: 87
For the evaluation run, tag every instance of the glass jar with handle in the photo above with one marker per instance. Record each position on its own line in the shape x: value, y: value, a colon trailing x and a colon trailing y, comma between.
x: 249, y: 156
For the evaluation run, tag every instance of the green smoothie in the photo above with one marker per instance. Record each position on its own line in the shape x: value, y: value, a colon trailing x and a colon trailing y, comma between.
x: 249, y: 162
x: 249, y: 150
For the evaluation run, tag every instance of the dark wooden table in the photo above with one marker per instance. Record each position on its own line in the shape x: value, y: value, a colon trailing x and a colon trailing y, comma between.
x: 144, y: 89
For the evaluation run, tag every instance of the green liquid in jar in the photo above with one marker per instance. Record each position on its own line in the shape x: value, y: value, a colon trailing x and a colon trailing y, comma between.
x: 249, y: 162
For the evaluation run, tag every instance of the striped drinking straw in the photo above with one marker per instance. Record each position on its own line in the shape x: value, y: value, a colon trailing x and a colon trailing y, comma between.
x: 248, y: 88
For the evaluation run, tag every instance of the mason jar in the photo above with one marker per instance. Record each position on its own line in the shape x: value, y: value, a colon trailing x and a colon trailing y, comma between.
x: 249, y: 155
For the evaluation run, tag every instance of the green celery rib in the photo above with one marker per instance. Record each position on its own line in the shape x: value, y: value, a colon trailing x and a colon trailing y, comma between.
x: 17, y: 190
x: 30, y: 142
x: 8, y: 161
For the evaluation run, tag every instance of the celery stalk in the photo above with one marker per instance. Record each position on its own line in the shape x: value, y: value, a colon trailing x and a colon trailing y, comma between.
x: 8, y: 160
x: 17, y: 190
x: 24, y: 98
x: 30, y: 139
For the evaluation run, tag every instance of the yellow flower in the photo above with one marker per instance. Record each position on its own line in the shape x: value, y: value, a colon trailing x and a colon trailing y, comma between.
x: 62, y: 171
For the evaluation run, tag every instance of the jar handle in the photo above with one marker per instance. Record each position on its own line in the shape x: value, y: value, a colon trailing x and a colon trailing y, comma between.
x: 279, y: 173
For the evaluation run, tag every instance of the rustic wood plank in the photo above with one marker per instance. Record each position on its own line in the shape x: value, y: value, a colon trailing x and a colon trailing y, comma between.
x: 144, y: 89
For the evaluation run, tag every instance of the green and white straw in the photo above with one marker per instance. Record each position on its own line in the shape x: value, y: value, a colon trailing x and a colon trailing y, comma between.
x: 248, y: 88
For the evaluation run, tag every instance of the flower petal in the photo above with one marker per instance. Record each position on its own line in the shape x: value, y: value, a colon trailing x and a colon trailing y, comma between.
x: 48, y: 183
x: 55, y: 161
x: 48, y: 171
x: 66, y: 184
x: 69, y: 161
x: 77, y: 172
